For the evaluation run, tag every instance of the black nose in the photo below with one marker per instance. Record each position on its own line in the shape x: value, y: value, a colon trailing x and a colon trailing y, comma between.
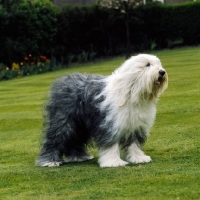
x: 162, y: 72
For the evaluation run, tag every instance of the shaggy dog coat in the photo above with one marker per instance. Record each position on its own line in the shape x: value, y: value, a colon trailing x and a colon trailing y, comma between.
x: 116, y: 111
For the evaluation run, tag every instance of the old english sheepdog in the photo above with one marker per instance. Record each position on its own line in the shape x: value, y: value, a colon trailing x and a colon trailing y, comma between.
x: 115, y: 111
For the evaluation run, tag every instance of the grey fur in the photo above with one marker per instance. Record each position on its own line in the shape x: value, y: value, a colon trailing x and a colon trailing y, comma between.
x: 73, y: 118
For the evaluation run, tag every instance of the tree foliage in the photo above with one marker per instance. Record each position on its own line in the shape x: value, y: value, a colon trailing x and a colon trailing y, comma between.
x: 27, y: 27
x: 124, y: 6
x: 78, y: 33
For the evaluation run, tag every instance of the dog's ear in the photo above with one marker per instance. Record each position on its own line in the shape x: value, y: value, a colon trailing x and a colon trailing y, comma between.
x: 122, y: 97
x: 120, y: 89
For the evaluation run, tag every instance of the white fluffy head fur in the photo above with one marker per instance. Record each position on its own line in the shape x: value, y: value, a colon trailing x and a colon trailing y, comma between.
x: 131, y: 94
x: 137, y: 80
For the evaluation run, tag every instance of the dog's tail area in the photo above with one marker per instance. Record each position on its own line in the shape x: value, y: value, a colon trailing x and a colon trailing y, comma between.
x: 52, y: 148
x: 56, y: 131
x: 54, y: 143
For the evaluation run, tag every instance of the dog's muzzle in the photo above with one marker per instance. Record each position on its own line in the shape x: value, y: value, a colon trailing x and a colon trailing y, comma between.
x: 160, y: 77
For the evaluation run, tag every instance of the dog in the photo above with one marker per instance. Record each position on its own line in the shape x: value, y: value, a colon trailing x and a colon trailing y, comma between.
x: 115, y: 111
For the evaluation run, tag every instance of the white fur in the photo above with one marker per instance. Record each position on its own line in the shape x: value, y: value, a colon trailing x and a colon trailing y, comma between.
x: 67, y: 160
x: 110, y: 157
x: 136, y: 155
x: 52, y: 164
x: 128, y: 93
x: 131, y: 95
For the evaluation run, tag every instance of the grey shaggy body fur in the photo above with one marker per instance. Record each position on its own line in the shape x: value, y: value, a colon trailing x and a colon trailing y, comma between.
x: 73, y: 118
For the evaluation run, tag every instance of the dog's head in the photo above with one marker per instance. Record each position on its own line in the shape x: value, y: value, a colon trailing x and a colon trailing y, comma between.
x: 141, y: 77
x: 153, y: 77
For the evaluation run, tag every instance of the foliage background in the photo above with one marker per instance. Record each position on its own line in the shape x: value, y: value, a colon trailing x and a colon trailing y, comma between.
x: 78, y: 34
x: 27, y: 27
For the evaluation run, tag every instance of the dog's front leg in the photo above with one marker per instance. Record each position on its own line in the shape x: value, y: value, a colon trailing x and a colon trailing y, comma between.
x: 136, y: 155
x: 110, y: 157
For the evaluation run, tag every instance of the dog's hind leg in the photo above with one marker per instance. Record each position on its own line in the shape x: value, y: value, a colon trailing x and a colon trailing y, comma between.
x: 51, y: 153
x: 50, y: 159
x: 57, y: 132
x: 77, y: 154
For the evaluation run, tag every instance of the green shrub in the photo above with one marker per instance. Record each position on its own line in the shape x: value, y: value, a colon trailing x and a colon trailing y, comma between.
x: 88, y: 30
x: 29, y: 28
x: 82, y: 33
x: 7, y: 73
x: 29, y: 66
x: 167, y: 24
x: 102, y: 31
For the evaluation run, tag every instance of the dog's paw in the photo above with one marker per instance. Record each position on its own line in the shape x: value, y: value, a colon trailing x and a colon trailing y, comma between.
x: 52, y: 164
x: 78, y: 159
x: 139, y: 159
x: 112, y: 163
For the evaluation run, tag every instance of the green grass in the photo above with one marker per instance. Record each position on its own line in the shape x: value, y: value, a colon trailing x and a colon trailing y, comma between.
x: 174, y: 143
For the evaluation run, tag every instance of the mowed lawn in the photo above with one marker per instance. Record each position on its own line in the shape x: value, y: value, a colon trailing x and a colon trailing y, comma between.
x: 174, y: 143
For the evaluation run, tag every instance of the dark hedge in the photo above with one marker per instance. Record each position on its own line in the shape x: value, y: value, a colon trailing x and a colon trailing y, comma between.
x: 26, y: 28
x: 78, y: 34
